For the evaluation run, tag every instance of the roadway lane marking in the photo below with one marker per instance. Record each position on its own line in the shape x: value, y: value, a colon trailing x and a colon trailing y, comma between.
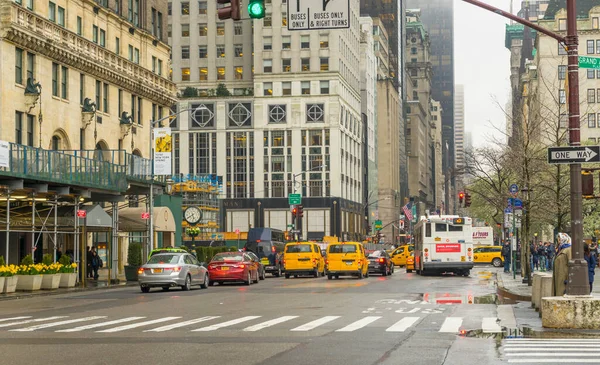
x: 217, y: 326
x: 553, y: 345
x: 314, y: 324
x: 451, y: 325
x: 547, y: 340
x: 403, y: 324
x: 182, y: 324
x: 101, y: 324
x: 358, y: 324
x: 560, y: 348
x: 139, y: 324
x: 14, y: 318
x: 490, y: 325
x: 554, y: 361
x: 55, y: 324
x: 31, y: 321
x: 552, y: 354
x: 270, y: 323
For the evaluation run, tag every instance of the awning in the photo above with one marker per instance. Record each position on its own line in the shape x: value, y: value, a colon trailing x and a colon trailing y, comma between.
x: 130, y: 220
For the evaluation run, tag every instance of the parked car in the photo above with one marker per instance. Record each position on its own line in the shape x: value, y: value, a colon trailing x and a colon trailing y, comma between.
x: 232, y: 267
x: 172, y: 269
x: 380, y: 263
x: 488, y: 255
x: 261, y: 266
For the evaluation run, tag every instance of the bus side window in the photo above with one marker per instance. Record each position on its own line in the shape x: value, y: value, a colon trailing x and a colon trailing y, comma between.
x: 440, y: 227
x: 427, y: 229
x: 455, y: 228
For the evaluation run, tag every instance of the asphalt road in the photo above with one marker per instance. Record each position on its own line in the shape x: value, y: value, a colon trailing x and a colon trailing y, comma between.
x: 402, y: 319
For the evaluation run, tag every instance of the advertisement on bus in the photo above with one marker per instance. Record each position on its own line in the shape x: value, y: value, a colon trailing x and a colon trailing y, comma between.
x: 483, y: 236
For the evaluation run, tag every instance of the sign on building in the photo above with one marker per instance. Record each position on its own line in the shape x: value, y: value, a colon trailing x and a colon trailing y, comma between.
x: 163, y: 146
x: 318, y: 14
x: 4, y: 154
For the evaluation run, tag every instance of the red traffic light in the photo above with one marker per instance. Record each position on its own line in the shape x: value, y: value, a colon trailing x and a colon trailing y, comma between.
x: 461, y: 195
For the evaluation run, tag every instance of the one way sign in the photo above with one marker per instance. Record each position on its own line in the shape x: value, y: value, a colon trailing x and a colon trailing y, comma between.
x: 575, y: 154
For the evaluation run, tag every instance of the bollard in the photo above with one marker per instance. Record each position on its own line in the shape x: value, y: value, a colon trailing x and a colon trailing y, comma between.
x: 536, y: 290
x: 545, y: 291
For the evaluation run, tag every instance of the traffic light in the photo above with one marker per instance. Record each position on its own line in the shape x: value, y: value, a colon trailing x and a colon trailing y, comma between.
x: 294, y: 212
x: 467, y: 200
x: 300, y: 211
x: 229, y: 12
x: 256, y: 9
x: 461, y: 197
x: 587, y: 184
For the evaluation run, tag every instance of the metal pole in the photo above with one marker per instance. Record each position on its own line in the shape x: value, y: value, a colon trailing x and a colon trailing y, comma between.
x: 33, y: 226
x: 76, y: 258
x: 55, y: 224
x: 578, y: 283
x: 84, y: 271
x: 7, y: 224
x: 513, y: 239
x: 151, y: 200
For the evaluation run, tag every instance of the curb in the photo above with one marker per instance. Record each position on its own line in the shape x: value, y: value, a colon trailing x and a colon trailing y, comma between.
x: 530, y: 332
x: 44, y: 293
x: 504, y: 292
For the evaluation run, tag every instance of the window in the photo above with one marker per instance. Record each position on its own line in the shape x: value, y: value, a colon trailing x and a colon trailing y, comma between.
x: 120, y: 102
x: 98, y: 95
x: 159, y: 26
x: 29, y: 4
x: 591, y: 96
x: 305, y: 87
x: 185, y: 74
x: 238, y: 50
x: 286, y: 65
x: 220, y: 51
x: 414, y: 72
x: 202, y: 7
x: 30, y: 129
x: 315, y: 113
x: 562, y: 24
x: 202, y: 52
x: 267, y: 21
x: 81, y: 88
x: 54, y: 79
x: 324, y: 87
x: 237, y: 29
x: 52, y: 11
x: 595, y: 23
x: 267, y: 88
x: 562, y: 72
x: 220, y: 73
x: 64, y: 82
x: 153, y: 23
x: 286, y: 42
x: 136, y: 55
x: 185, y: 30
x: 283, y: 19
x: 79, y: 26
x: 139, y: 110
x: 562, y: 51
x: 277, y: 114
x: 305, y: 64
x: 268, y: 43
x: 185, y: 8
x: 185, y: 52
x: 267, y: 66
x: 562, y: 96
x: 286, y: 88
x: 220, y: 28
x: 203, y: 73
x: 105, y: 98
x: 19, y: 66
x: 324, y: 63
x: 160, y: 64
x: 413, y: 50
x: 592, y: 120
x: 597, y: 46
x: 202, y: 29
x: 564, y: 120
x: 324, y: 41
x: 94, y: 34
x: 102, y: 38
x: 590, y: 47
x: 239, y: 73
x: 18, y: 127
x: 169, y: 8
x: 61, y: 16
x: 133, y: 114
x: 169, y: 30
x: 591, y: 74
x: 305, y: 42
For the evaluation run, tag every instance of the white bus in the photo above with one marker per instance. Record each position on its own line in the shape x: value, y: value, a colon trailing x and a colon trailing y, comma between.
x: 443, y: 244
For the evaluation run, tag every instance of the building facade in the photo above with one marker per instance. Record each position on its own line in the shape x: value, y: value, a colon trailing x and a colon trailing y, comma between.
x: 436, y: 133
x: 459, y: 128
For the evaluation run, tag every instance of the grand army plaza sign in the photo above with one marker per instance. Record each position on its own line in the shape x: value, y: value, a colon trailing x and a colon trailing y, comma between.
x: 318, y: 14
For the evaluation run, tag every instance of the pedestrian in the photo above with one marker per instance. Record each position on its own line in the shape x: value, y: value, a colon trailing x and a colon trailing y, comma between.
x: 88, y: 263
x: 506, y: 256
x: 533, y: 256
x: 549, y: 254
x: 591, y: 261
x: 541, y: 253
x: 96, y: 263
x: 560, y: 272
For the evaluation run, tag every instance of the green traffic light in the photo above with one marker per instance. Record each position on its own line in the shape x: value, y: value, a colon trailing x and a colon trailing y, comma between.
x: 256, y: 9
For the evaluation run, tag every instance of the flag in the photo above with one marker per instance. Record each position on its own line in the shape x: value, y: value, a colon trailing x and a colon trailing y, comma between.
x: 408, y: 211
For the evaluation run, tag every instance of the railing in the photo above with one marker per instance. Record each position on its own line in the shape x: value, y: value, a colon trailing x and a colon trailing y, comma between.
x: 61, y: 167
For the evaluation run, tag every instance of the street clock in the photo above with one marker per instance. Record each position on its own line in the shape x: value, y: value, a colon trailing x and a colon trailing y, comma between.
x: 192, y: 215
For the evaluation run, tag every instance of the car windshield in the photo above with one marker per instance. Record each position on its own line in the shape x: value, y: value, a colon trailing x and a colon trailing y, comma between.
x: 297, y: 248
x: 342, y: 249
x: 164, y: 259
x: 376, y: 254
x: 230, y: 256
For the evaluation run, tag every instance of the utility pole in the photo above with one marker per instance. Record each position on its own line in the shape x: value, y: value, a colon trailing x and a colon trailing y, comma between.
x: 578, y: 277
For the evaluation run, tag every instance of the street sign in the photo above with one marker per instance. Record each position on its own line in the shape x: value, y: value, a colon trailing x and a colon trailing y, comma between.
x: 318, y: 14
x: 508, y: 210
x: 81, y: 213
x: 518, y: 203
x: 513, y: 188
x: 589, y: 62
x: 573, y: 154
x: 378, y: 225
x: 509, y: 202
x: 237, y: 231
x: 295, y: 199
x: 145, y: 215
x: 290, y: 226
x: 508, y: 220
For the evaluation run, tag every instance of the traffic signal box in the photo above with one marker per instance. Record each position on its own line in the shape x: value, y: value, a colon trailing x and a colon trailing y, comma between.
x: 231, y: 9
x: 256, y: 9
x: 587, y: 184
x: 467, y: 200
x: 461, y: 197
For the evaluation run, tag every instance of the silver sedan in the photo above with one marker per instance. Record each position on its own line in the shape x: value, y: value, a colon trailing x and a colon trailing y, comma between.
x: 172, y: 269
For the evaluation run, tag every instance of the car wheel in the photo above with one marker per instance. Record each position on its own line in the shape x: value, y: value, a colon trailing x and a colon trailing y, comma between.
x: 392, y: 269
x: 145, y: 289
x: 384, y: 273
x: 257, y: 278
x: 467, y: 273
x: 337, y: 276
x: 186, y: 286
x: 204, y: 284
x: 329, y: 276
x: 408, y: 271
x: 316, y: 273
x: 367, y: 275
x: 249, y: 280
x: 497, y: 262
x: 211, y: 283
x: 296, y: 276
x: 165, y: 288
x: 278, y: 273
x: 360, y: 275
x: 287, y: 276
x: 262, y: 276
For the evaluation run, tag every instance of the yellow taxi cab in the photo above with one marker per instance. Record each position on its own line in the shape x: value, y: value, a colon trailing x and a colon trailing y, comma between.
x: 401, y: 254
x: 303, y: 258
x: 488, y: 255
x: 346, y: 258
x: 410, y: 262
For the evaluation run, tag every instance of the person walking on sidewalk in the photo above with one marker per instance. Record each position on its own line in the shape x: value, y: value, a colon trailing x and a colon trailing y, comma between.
x: 95, y: 263
x: 88, y: 259
x: 506, y: 256
x: 591, y: 261
x: 541, y: 251
x: 550, y: 255
x: 560, y: 272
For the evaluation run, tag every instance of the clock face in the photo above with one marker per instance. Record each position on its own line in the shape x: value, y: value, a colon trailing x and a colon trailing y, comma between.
x: 192, y: 215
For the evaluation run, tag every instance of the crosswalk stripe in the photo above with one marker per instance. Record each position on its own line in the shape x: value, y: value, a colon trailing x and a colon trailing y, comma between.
x: 217, y: 326
x: 13, y: 318
x: 451, y: 325
x: 101, y: 324
x: 554, y: 349
x: 182, y: 324
x: 55, y: 324
x: 490, y: 325
x: 553, y: 345
x: 31, y: 321
x: 314, y: 324
x: 403, y: 324
x: 270, y: 323
x: 546, y: 340
x: 553, y: 354
x: 541, y: 361
x: 139, y: 324
x: 358, y: 324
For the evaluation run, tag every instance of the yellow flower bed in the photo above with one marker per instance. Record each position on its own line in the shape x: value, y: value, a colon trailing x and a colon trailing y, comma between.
x: 36, y: 269
x: 8, y: 270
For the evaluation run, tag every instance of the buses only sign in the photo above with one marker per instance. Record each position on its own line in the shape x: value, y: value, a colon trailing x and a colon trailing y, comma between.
x: 318, y: 14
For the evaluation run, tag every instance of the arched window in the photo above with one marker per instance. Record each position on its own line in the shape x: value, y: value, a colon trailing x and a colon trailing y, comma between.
x: 56, y: 143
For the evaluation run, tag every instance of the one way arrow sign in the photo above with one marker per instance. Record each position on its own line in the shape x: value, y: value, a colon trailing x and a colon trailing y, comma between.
x: 575, y: 154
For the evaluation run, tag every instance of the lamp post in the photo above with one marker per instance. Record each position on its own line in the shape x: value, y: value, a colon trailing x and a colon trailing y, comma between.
x: 294, y: 182
x: 525, y: 250
x: 151, y: 151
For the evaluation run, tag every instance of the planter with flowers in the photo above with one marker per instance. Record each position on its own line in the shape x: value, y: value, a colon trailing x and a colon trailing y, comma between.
x: 8, y: 280
x: 68, y: 277
x: 50, y: 275
x: 29, y: 275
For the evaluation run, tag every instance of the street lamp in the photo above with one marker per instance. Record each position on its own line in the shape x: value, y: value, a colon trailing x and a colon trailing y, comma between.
x: 528, y: 195
x: 151, y: 151
x: 300, y: 173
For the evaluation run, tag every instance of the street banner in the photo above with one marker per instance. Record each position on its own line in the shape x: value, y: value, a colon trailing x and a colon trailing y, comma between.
x: 4, y: 154
x: 163, y: 147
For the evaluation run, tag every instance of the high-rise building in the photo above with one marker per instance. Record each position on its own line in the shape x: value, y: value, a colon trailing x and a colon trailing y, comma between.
x: 459, y: 128
x: 436, y: 133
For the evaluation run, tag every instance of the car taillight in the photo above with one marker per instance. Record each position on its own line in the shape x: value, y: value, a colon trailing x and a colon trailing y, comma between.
x: 212, y: 266
x: 314, y: 261
x: 382, y: 260
x: 327, y: 262
x: 140, y: 271
x: 240, y: 266
x: 177, y: 269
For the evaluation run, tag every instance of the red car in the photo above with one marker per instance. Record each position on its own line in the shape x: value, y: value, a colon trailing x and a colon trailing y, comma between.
x: 231, y: 267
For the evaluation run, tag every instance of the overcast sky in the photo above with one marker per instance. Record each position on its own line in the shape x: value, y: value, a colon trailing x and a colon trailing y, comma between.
x: 482, y: 65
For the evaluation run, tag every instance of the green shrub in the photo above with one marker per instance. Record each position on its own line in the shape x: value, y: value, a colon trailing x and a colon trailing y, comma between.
x: 47, y: 259
x: 134, y: 254
x: 27, y: 260
x: 65, y: 260
x: 2, y: 262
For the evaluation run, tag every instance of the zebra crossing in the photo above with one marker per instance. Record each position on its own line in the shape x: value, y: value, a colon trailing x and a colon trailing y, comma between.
x: 552, y: 350
x: 252, y: 323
